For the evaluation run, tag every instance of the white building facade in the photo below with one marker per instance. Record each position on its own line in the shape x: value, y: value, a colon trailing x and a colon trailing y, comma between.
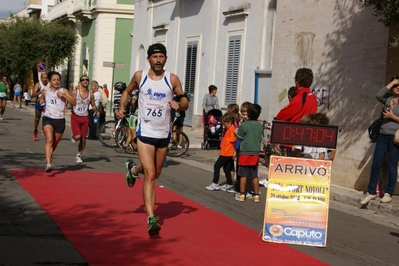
x: 104, y: 30
x: 251, y: 49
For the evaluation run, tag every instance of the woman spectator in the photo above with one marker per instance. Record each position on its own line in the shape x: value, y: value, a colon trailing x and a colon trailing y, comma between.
x: 17, y: 95
x: 388, y: 96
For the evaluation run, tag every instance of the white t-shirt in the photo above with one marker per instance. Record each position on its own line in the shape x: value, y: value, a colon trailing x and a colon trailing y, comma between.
x: 97, y: 99
x: 314, y: 152
x: 27, y: 96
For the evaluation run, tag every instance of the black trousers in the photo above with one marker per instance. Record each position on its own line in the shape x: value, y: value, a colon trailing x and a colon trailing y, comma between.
x: 226, y: 163
x: 93, y: 128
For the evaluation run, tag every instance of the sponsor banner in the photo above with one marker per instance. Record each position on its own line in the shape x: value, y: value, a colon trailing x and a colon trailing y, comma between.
x: 297, y: 201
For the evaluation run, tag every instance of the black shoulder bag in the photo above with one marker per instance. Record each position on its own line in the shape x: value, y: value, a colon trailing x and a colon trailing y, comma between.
x: 374, y: 129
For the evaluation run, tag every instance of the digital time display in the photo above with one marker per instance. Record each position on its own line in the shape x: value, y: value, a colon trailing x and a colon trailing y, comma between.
x: 304, y: 134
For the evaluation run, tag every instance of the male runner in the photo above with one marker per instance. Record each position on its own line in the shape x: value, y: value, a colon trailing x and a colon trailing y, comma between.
x: 156, y: 89
x: 38, y: 107
x: 4, y: 89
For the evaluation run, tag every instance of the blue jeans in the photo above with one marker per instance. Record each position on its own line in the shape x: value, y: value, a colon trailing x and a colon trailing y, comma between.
x: 383, y: 147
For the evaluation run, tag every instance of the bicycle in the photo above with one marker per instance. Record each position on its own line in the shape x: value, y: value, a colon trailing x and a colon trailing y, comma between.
x: 122, y: 132
x: 107, y: 133
x: 266, y: 148
x: 179, y: 143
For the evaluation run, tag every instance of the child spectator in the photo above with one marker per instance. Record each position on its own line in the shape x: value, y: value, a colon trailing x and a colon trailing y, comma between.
x: 250, y: 133
x: 213, y: 124
x: 226, y: 155
x: 292, y: 93
x: 234, y: 110
x: 27, y: 97
x: 244, y: 117
x: 308, y: 151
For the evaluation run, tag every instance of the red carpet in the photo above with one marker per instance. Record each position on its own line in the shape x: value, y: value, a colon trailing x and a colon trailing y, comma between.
x: 105, y: 220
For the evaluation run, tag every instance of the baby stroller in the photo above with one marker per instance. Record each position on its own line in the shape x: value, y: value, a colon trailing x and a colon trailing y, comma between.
x: 213, y: 129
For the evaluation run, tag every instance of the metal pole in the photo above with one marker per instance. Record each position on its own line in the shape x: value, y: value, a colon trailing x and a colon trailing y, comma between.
x: 112, y: 88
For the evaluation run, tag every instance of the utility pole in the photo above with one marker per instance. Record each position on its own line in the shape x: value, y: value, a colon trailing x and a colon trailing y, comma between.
x: 113, y: 65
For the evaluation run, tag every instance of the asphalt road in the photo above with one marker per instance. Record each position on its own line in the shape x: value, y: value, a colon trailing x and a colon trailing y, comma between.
x: 29, y: 237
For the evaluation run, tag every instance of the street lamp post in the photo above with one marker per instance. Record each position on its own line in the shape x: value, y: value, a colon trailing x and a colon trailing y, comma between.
x: 113, y: 65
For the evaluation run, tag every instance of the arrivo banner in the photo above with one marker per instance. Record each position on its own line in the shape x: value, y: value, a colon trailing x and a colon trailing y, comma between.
x: 297, y: 201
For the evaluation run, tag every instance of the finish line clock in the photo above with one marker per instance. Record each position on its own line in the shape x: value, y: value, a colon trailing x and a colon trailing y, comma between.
x: 304, y: 134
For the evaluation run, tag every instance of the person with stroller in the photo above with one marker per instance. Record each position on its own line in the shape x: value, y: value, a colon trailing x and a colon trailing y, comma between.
x: 209, y: 103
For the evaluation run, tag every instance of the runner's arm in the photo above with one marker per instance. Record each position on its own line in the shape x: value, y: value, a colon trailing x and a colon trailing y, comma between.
x: 35, y: 92
x: 134, y: 83
x: 68, y: 97
x: 182, y: 105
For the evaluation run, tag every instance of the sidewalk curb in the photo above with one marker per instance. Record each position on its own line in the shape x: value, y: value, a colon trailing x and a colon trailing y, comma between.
x: 339, y: 194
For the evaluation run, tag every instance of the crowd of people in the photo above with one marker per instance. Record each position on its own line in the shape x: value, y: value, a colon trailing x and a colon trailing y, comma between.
x: 156, y: 103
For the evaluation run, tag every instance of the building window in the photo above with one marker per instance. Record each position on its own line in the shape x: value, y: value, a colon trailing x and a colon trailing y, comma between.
x: 233, y: 64
x: 191, y: 64
x: 189, y: 81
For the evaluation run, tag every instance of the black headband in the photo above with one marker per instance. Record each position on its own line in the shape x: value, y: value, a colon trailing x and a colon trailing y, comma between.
x: 156, y: 48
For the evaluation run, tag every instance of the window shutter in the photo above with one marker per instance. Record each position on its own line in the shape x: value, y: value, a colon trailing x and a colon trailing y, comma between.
x: 233, y: 64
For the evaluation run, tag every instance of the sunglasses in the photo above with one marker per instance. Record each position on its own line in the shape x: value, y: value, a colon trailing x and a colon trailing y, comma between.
x: 84, y: 80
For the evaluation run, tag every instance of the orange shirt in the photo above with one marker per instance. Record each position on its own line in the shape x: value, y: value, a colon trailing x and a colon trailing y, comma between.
x: 228, y: 142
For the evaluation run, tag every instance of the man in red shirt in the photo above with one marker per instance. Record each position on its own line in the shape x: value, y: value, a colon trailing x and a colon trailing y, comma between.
x: 304, y: 102
x: 105, y: 88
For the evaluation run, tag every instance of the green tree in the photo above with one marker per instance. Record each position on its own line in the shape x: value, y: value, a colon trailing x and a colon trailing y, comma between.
x: 25, y: 42
x: 387, y: 12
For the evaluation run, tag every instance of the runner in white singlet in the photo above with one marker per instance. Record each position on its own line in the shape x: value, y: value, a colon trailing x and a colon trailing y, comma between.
x: 42, y: 84
x: 80, y: 114
x: 157, y: 87
x: 155, y: 111
x: 54, y: 114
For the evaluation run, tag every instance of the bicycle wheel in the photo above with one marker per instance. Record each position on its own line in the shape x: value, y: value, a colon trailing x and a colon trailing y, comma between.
x: 120, y: 136
x: 106, y: 134
x: 179, y: 144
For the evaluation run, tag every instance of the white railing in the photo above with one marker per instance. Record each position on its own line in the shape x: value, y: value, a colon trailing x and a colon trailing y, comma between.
x: 59, y: 10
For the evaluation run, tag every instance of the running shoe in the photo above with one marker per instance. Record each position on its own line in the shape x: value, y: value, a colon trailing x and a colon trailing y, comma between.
x: 73, y: 140
x: 78, y: 159
x: 130, y: 177
x: 153, y: 226
x: 226, y: 187
x: 239, y: 197
x: 48, y: 168
x: 263, y: 182
x: 43, y: 133
x: 231, y: 190
x: 212, y: 187
x: 248, y: 195
x: 35, y: 137
x: 255, y: 198
x: 386, y: 199
x: 367, y: 198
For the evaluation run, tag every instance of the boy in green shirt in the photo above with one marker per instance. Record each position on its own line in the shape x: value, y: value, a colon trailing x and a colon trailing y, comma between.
x: 250, y: 132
